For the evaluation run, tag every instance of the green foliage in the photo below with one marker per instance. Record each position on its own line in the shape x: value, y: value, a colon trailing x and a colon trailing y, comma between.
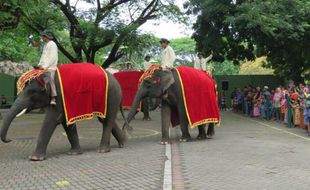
x: 90, y: 34
x: 213, y: 33
x: 13, y: 11
x: 185, y: 50
x: 281, y: 30
x: 225, y: 68
x: 14, y: 46
x: 255, y: 67
x: 239, y: 30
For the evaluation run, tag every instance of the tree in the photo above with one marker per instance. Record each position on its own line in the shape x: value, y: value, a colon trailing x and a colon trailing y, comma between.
x: 255, y: 67
x: 240, y: 30
x: 185, y: 50
x: 9, y: 14
x: 225, y: 68
x: 213, y: 33
x: 109, y: 23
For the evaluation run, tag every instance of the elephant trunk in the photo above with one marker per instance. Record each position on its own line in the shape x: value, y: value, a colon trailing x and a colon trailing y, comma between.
x: 156, y: 104
x: 140, y: 94
x: 17, y: 107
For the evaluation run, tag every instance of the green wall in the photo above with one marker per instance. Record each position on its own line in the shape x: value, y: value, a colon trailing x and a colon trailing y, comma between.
x: 240, y: 81
x: 8, y: 87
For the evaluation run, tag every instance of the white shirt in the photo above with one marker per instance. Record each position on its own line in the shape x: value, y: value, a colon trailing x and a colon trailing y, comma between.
x: 146, y: 65
x: 167, y: 58
x: 49, y: 57
x: 201, y: 64
x: 210, y: 69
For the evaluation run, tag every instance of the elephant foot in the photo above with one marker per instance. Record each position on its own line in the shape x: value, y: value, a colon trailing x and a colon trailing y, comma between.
x: 210, y: 131
x: 185, y: 139
x: 202, y: 136
x: 74, y: 152
x: 164, y: 142
x: 37, y: 157
x: 104, y: 149
x: 121, y: 145
x: 146, y: 119
x: 209, y: 136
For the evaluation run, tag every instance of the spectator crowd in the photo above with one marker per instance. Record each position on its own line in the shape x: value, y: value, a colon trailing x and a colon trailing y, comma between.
x: 290, y: 105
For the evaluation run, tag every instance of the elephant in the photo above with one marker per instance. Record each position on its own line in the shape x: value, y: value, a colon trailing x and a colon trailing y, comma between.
x: 35, y: 96
x: 166, y: 86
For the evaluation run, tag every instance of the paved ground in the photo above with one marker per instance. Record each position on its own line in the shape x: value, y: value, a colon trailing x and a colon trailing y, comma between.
x: 244, y: 154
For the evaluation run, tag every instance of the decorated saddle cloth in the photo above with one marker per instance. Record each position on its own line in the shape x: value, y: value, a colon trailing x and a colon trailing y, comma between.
x: 27, y: 76
x: 199, y: 95
x: 84, y: 89
x: 129, y: 82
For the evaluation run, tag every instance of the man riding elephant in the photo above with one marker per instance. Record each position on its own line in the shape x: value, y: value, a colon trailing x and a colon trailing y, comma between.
x: 167, y: 56
x: 49, y: 61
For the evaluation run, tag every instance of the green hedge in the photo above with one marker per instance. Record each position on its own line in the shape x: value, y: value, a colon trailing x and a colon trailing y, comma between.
x: 8, y: 87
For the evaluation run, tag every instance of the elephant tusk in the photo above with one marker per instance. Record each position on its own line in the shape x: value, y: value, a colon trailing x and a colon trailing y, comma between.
x: 21, y: 113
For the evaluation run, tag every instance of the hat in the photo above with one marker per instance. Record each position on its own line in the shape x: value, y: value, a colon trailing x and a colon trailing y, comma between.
x: 47, y: 34
x: 265, y: 87
x: 164, y: 40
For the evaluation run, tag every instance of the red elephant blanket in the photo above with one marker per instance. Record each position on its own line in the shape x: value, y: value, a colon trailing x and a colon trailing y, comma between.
x: 84, y: 90
x: 129, y: 82
x: 199, y: 96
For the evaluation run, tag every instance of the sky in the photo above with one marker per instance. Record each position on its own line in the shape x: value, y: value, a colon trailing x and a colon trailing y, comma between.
x: 168, y: 29
x: 160, y: 28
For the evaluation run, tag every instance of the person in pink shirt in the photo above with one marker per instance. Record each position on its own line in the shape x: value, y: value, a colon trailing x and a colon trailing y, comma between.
x: 277, y: 103
x: 283, y: 105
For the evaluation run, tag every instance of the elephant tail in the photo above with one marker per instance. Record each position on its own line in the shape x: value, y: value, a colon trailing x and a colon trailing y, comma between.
x: 126, y: 124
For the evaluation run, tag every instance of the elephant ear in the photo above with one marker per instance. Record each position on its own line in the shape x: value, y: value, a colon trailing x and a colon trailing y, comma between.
x: 166, y: 79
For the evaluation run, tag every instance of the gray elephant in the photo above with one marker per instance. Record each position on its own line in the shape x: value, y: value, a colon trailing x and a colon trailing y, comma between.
x: 35, y: 96
x: 166, y: 86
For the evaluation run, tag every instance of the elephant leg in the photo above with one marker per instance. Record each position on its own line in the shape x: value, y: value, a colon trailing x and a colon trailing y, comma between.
x: 145, y: 109
x: 165, y: 123
x: 119, y: 135
x: 106, y: 136
x: 73, y: 138
x: 202, y: 132
x: 47, y: 129
x: 184, y: 128
x: 210, y: 131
